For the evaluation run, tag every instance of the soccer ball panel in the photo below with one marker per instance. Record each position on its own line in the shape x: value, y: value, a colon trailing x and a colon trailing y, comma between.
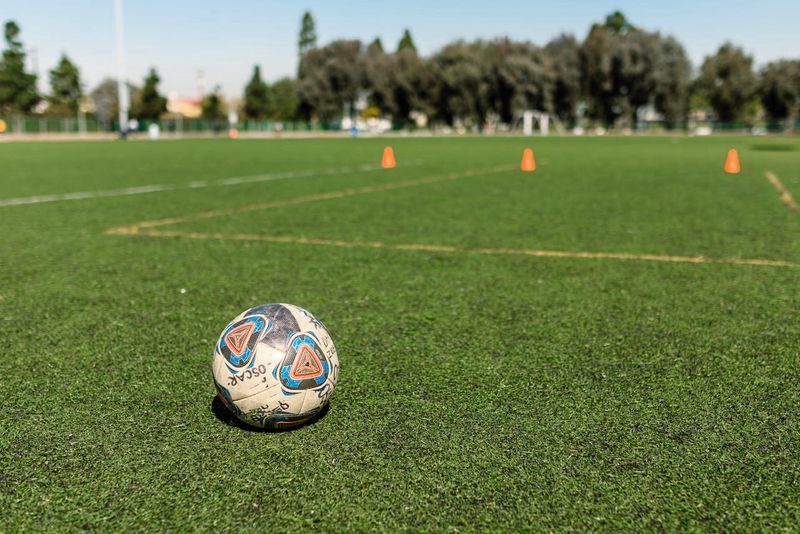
x: 275, y: 366
x: 246, y: 382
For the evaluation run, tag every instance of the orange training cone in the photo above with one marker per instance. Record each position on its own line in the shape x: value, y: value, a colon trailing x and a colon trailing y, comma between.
x: 732, y: 165
x: 528, y: 162
x: 388, y: 161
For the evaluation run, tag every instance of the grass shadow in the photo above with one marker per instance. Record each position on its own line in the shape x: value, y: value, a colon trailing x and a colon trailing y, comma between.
x: 774, y: 147
x: 225, y: 416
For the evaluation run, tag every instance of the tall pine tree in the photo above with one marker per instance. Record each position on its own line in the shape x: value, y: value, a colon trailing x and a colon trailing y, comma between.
x: 282, y: 102
x: 150, y: 104
x: 406, y: 42
x: 308, y: 34
x: 17, y: 87
x: 256, y: 96
x: 65, y: 85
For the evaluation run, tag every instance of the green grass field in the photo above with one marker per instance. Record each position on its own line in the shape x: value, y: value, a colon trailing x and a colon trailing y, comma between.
x: 496, y: 372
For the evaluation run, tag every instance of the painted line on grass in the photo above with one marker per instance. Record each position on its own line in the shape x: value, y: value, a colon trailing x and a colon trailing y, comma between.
x: 137, y: 227
x: 151, y: 229
x: 786, y: 196
x: 197, y: 184
x: 424, y: 247
x: 82, y: 195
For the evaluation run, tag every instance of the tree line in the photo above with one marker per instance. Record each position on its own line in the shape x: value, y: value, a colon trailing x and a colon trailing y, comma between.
x: 608, y: 78
x: 612, y: 75
x: 19, y: 95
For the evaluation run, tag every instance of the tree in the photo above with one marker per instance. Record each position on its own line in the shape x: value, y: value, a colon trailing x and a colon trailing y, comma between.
x: 673, y: 73
x: 411, y: 83
x: 598, y: 62
x: 462, y: 93
x: 308, y: 34
x: 779, y: 89
x: 406, y: 42
x: 65, y: 85
x: 256, y: 96
x: 728, y: 80
x: 330, y: 79
x: 17, y: 87
x: 213, y: 107
x: 618, y: 23
x: 282, y: 103
x: 376, y: 44
x: 563, y: 53
x: 378, y: 78
x: 105, y: 99
x: 519, y: 77
x: 618, y: 63
x: 150, y: 104
x: 398, y: 83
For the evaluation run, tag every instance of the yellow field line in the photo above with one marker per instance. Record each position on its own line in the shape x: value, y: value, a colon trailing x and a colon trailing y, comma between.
x: 786, y: 196
x: 150, y: 232
x: 136, y: 228
x: 148, y: 228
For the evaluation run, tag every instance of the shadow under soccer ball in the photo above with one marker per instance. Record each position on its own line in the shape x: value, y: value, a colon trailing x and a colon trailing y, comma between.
x: 224, y: 415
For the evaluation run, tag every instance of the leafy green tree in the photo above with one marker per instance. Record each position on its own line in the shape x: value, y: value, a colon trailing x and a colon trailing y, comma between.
x: 618, y: 62
x: 563, y: 53
x: 308, y: 34
x: 150, y: 104
x: 65, y: 85
x: 378, y: 78
x: 398, y: 83
x: 406, y: 42
x: 673, y: 79
x: 728, y: 80
x: 376, y: 44
x: 698, y: 99
x: 779, y: 89
x: 213, y: 106
x: 256, y: 96
x: 462, y: 93
x: 17, y: 88
x: 618, y: 23
x: 411, y: 81
x: 105, y: 99
x: 519, y: 77
x: 600, y: 65
x: 330, y: 79
x: 283, y: 102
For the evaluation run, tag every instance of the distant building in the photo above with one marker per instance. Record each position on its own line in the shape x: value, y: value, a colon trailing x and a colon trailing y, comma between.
x: 191, y: 108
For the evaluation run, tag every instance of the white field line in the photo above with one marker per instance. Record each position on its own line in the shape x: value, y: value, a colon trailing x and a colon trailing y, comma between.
x: 82, y: 195
x: 150, y: 229
x: 198, y: 184
x: 317, y: 197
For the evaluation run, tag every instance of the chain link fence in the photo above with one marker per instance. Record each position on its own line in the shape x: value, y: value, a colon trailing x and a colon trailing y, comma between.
x: 32, y: 125
x: 88, y: 124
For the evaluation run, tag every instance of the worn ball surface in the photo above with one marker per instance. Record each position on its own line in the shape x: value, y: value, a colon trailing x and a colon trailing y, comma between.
x: 275, y: 366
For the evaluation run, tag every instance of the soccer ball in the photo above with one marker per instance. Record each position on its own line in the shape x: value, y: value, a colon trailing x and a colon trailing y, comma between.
x: 275, y: 366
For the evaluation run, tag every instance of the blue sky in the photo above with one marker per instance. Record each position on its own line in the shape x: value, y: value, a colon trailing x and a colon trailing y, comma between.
x: 225, y: 38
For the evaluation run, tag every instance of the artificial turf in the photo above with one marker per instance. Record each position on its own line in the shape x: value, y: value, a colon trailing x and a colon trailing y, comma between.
x: 477, y: 391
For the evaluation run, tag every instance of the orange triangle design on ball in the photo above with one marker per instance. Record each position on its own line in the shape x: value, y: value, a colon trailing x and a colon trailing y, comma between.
x: 237, y: 338
x: 306, y: 364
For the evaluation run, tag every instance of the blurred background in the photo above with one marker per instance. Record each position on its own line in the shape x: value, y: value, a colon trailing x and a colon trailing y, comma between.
x: 272, y: 68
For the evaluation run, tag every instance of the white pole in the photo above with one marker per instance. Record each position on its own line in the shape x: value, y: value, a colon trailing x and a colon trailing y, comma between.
x: 122, y: 86
x: 527, y: 122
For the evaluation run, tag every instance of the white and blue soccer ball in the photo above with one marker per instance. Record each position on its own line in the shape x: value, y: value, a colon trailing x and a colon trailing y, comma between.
x: 275, y: 366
